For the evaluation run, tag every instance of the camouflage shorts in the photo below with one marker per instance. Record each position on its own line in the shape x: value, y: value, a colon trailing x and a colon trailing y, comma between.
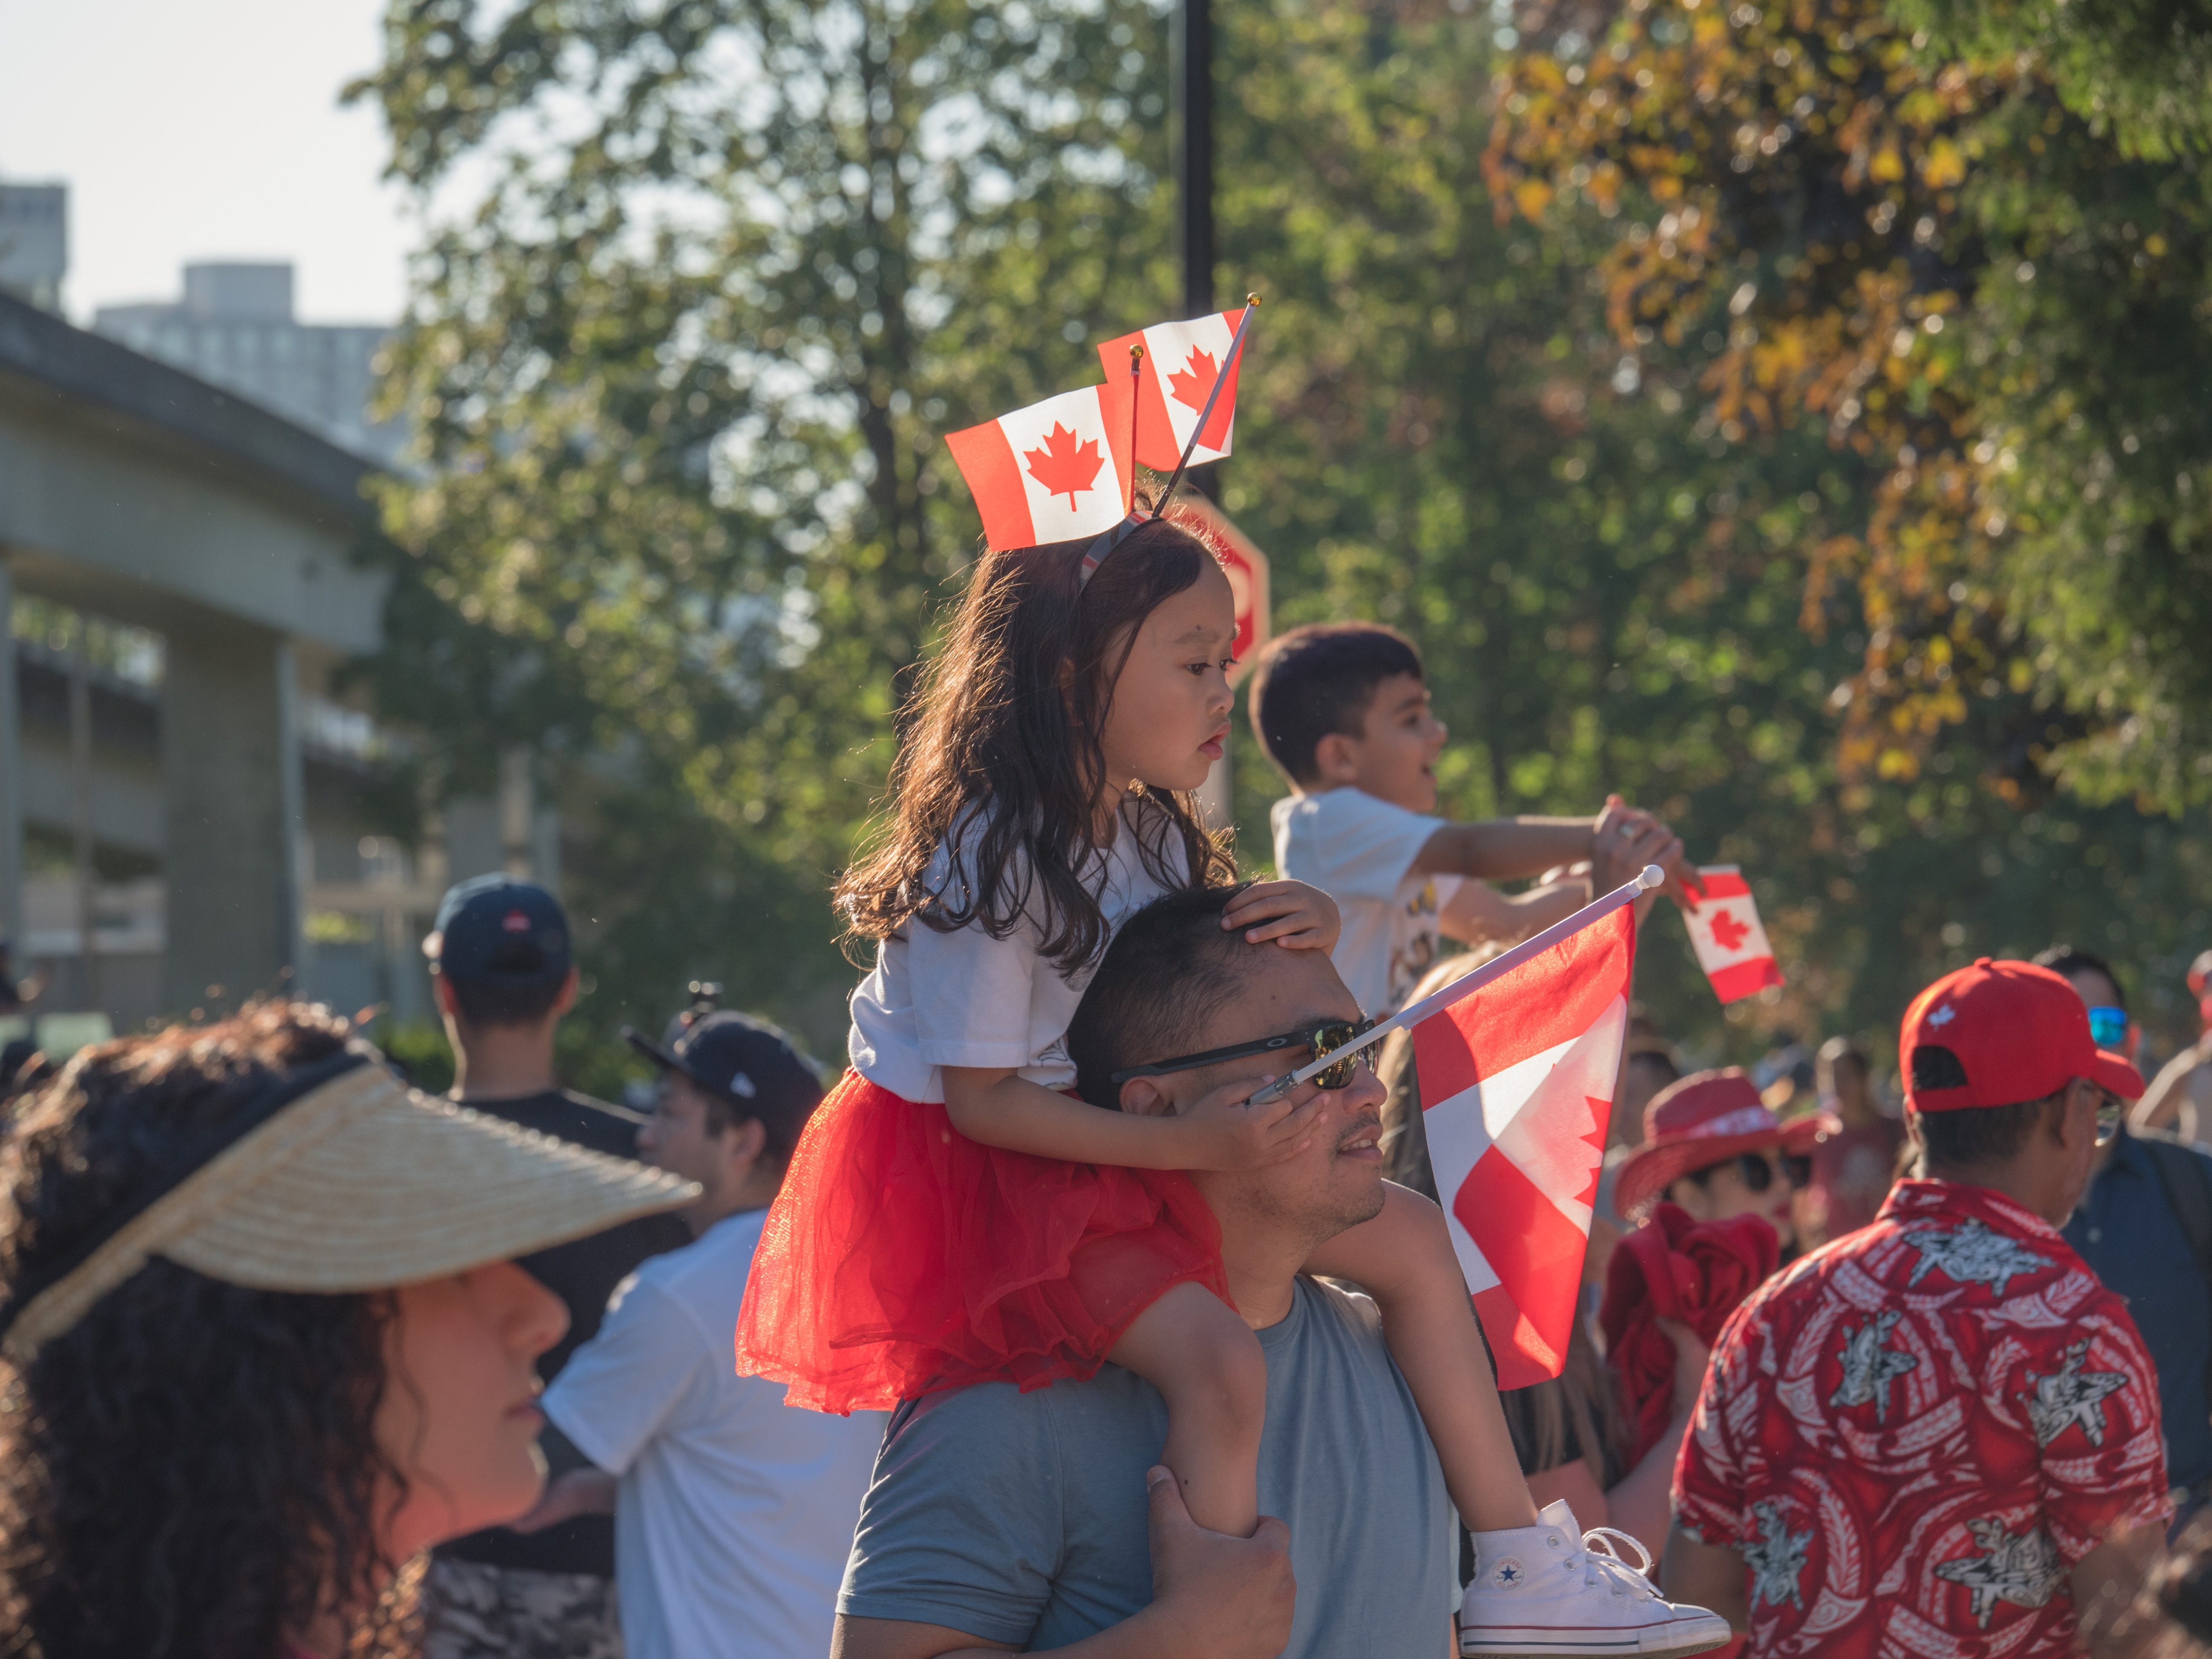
x: 471, y: 1611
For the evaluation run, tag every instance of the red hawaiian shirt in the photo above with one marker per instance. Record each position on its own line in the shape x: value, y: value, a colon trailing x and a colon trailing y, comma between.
x: 1913, y: 1434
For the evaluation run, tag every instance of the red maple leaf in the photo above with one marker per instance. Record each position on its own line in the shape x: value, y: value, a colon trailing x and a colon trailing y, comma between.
x: 1601, y: 1120
x: 1728, y: 932
x: 1063, y: 466
x: 1194, y: 379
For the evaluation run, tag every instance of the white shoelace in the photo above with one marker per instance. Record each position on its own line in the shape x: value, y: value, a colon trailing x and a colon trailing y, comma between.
x: 1602, y: 1562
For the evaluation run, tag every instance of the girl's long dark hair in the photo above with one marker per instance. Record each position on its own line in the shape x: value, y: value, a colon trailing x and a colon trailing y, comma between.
x: 996, y: 728
x: 193, y: 1470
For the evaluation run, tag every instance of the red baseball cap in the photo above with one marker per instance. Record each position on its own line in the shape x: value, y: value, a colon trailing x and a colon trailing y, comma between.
x: 2019, y: 1032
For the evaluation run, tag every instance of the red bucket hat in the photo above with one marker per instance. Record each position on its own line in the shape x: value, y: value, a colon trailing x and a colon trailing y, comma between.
x: 1708, y: 1118
x: 2019, y: 1033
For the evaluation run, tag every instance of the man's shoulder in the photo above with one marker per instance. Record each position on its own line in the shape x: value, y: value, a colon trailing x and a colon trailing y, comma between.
x: 595, y: 1125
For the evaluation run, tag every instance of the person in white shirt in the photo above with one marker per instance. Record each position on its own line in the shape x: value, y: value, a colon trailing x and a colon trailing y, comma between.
x: 734, y: 1512
x: 1342, y: 711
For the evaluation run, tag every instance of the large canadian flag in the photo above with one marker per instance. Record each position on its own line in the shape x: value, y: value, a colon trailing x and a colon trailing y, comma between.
x: 1182, y: 362
x: 1517, y: 1082
x: 1052, y: 473
x: 1726, y: 933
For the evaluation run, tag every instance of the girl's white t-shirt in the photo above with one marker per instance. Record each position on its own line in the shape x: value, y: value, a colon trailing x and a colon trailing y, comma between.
x: 964, y: 999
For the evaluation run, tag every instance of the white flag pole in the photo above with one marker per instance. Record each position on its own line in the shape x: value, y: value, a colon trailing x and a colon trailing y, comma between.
x: 1648, y: 880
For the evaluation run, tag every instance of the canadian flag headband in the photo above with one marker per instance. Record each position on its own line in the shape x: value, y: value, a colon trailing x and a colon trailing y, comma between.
x: 1038, y: 475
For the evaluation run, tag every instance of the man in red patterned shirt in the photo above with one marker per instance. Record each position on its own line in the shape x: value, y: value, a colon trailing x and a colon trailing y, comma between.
x: 1939, y: 1436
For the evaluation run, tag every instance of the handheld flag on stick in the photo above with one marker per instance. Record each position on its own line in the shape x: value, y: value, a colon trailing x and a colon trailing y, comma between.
x: 1518, y: 1062
x: 1055, y: 471
x: 1726, y: 933
x: 1186, y: 405
x: 1649, y: 879
x: 1518, y: 1083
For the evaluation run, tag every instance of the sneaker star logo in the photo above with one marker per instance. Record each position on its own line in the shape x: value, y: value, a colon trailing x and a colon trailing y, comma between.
x: 1507, y: 1574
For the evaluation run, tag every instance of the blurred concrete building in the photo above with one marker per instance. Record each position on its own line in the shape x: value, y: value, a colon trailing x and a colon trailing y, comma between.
x: 34, y: 243
x: 186, y: 791
x: 234, y: 328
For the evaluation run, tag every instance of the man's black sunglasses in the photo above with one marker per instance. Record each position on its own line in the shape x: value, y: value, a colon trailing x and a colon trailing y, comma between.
x: 1322, y: 1039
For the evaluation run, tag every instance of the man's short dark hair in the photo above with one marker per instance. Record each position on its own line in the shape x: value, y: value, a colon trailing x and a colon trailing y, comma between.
x: 1167, y: 971
x: 1321, y: 678
x: 487, y: 1003
x: 1973, y: 1137
x: 2067, y: 960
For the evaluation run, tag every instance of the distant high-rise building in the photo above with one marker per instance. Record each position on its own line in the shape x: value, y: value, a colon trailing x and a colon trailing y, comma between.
x: 34, y: 243
x: 234, y: 329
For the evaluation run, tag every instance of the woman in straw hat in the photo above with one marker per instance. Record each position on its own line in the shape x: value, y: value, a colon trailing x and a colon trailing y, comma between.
x: 261, y: 1339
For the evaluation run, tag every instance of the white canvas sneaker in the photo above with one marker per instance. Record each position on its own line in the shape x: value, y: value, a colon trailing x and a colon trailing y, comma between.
x: 1551, y: 1591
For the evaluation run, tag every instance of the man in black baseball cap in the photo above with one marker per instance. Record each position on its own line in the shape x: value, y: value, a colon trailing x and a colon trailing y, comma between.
x: 504, y: 972
x: 736, y: 1511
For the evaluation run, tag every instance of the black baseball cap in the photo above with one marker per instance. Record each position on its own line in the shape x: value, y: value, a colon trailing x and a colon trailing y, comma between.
x: 747, y: 1062
x: 495, y: 930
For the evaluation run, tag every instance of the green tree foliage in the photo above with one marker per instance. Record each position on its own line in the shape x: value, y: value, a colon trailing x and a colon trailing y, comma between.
x: 722, y: 276
x: 685, y: 517
x: 1446, y: 430
x: 2000, y: 303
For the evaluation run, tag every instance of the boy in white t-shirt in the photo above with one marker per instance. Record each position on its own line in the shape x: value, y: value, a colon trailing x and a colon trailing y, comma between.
x: 734, y: 1512
x: 1342, y: 710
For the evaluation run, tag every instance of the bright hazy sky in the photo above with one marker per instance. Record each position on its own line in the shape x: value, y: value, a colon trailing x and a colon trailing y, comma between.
x: 206, y: 130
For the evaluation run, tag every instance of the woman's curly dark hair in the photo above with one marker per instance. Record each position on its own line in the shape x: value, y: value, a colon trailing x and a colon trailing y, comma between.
x: 995, y: 727
x: 193, y: 1470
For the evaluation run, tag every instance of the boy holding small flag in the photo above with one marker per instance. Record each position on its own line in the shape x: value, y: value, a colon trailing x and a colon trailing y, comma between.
x: 1342, y: 710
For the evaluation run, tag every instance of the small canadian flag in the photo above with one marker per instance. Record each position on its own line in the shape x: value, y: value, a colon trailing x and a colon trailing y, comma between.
x: 1726, y: 933
x: 1055, y: 471
x: 1182, y: 362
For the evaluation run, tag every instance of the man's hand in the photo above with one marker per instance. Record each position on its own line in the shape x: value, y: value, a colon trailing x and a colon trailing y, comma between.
x: 1293, y: 914
x: 1228, y: 1598
x: 1225, y: 1132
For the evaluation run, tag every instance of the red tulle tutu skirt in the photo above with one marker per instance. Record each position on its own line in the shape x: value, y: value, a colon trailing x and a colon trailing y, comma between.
x: 902, y: 1257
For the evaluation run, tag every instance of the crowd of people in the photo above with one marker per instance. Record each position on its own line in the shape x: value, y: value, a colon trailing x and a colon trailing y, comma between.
x: 1044, y: 1327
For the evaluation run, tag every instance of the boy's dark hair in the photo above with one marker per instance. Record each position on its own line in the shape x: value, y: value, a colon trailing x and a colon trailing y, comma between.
x: 2066, y: 960
x: 487, y: 1003
x: 1973, y: 1137
x: 1171, y: 965
x: 1318, y: 679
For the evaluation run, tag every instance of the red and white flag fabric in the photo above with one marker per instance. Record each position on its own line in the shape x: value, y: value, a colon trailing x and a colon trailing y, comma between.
x: 1726, y: 933
x: 1052, y: 473
x: 1517, y: 1082
x: 1182, y: 362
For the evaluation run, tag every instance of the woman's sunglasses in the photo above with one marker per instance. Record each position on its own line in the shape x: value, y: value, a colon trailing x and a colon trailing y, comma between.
x: 1322, y: 1039
x: 1758, y: 1168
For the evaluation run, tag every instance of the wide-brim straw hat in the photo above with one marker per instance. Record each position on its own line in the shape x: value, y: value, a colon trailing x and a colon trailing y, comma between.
x: 1707, y: 1118
x: 343, y: 1179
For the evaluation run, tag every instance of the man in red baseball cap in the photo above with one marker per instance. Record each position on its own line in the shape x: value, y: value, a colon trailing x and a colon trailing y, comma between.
x: 1940, y: 1434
